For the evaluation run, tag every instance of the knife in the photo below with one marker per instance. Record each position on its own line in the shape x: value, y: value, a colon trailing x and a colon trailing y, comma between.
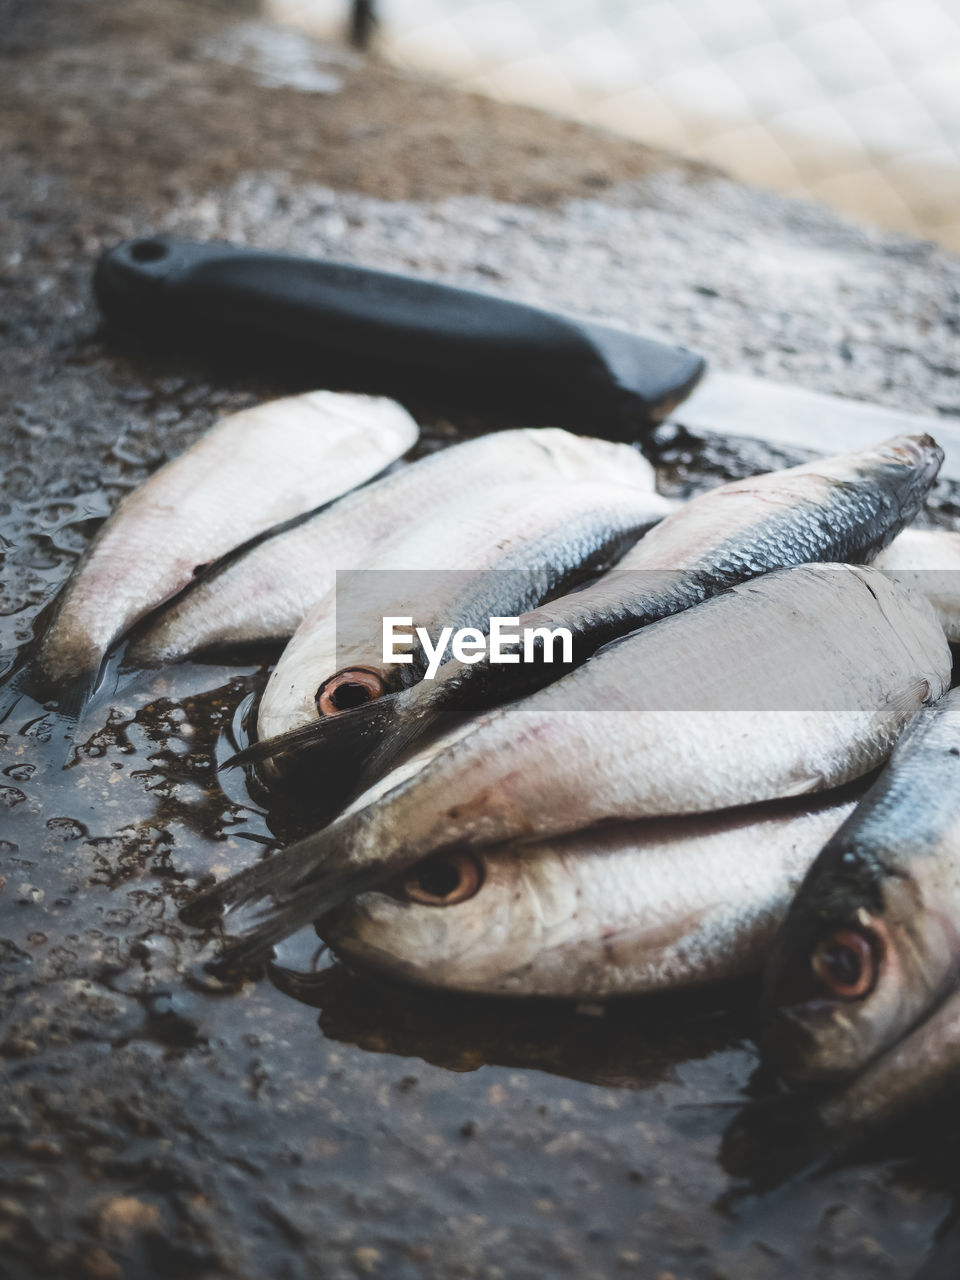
x: 378, y: 330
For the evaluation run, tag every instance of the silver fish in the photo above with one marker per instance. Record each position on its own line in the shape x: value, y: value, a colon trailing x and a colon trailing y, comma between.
x: 928, y: 561
x: 872, y: 940
x: 265, y: 594
x: 618, y: 910
x: 497, y: 551
x: 767, y: 690
x: 836, y: 509
x: 251, y: 471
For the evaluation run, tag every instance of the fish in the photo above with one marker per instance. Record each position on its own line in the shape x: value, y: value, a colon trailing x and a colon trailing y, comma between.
x: 252, y: 470
x: 872, y: 940
x: 928, y: 561
x: 265, y: 594
x: 846, y: 508
x: 495, y: 552
x: 797, y: 681
x: 654, y: 905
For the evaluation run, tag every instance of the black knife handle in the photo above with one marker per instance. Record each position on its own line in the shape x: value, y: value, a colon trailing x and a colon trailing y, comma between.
x: 610, y: 381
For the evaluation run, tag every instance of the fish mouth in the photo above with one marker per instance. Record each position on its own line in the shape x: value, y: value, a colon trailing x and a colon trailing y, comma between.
x: 792, y: 1045
x: 789, y: 1043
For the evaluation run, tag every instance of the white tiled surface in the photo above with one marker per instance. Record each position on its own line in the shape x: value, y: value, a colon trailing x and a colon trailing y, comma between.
x: 856, y: 102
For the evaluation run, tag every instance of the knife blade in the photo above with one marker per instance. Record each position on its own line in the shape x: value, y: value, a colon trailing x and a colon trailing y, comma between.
x: 375, y: 328
x: 780, y: 413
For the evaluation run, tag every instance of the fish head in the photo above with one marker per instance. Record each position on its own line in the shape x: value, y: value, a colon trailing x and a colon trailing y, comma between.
x: 897, y: 473
x: 353, y: 671
x: 333, y: 662
x: 844, y: 981
x: 461, y: 919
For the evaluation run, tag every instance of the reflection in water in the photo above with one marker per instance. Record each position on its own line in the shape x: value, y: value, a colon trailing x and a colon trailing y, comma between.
x: 779, y: 1134
x: 780, y: 1159
x: 783, y: 1159
x: 107, y: 850
x: 629, y: 1044
x: 943, y: 1260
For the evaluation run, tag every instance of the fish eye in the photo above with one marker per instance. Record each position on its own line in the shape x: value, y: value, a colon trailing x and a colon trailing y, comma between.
x: 348, y: 689
x: 444, y: 880
x: 846, y: 964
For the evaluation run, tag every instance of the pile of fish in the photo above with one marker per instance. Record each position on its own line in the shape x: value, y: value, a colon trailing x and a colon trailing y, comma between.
x: 748, y: 759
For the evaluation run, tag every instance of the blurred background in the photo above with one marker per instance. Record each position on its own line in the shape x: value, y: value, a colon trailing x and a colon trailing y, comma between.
x: 852, y: 102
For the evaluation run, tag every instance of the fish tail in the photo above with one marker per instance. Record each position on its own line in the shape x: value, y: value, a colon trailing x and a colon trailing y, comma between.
x: 64, y: 699
x: 276, y: 918
x: 17, y: 684
x: 273, y: 874
x: 27, y: 678
x: 265, y: 903
x: 277, y: 750
x: 21, y: 687
x: 404, y: 733
x: 332, y: 752
x: 943, y: 1260
x: 73, y: 695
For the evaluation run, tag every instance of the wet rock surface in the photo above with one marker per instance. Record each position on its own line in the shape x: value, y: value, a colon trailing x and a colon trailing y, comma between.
x: 150, y: 1125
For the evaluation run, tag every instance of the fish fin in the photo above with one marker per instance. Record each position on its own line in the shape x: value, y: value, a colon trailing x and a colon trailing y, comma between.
x: 16, y: 685
x: 406, y: 730
x: 71, y: 696
x: 349, y: 732
x: 339, y: 756
x: 236, y: 891
x: 281, y: 894
x: 283, y: 870
x: 26, y: 678
x: 21, y: 690
x: 280, y: 915
x: 906, y: 702
x: 901, y: 708
x: 804, y: 785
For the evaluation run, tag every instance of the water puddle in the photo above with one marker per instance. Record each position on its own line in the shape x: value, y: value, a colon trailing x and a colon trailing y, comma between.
x: 322, y: 1113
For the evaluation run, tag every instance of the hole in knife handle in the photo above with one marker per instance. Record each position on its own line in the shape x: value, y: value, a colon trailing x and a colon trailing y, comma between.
x: 147, y: 251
